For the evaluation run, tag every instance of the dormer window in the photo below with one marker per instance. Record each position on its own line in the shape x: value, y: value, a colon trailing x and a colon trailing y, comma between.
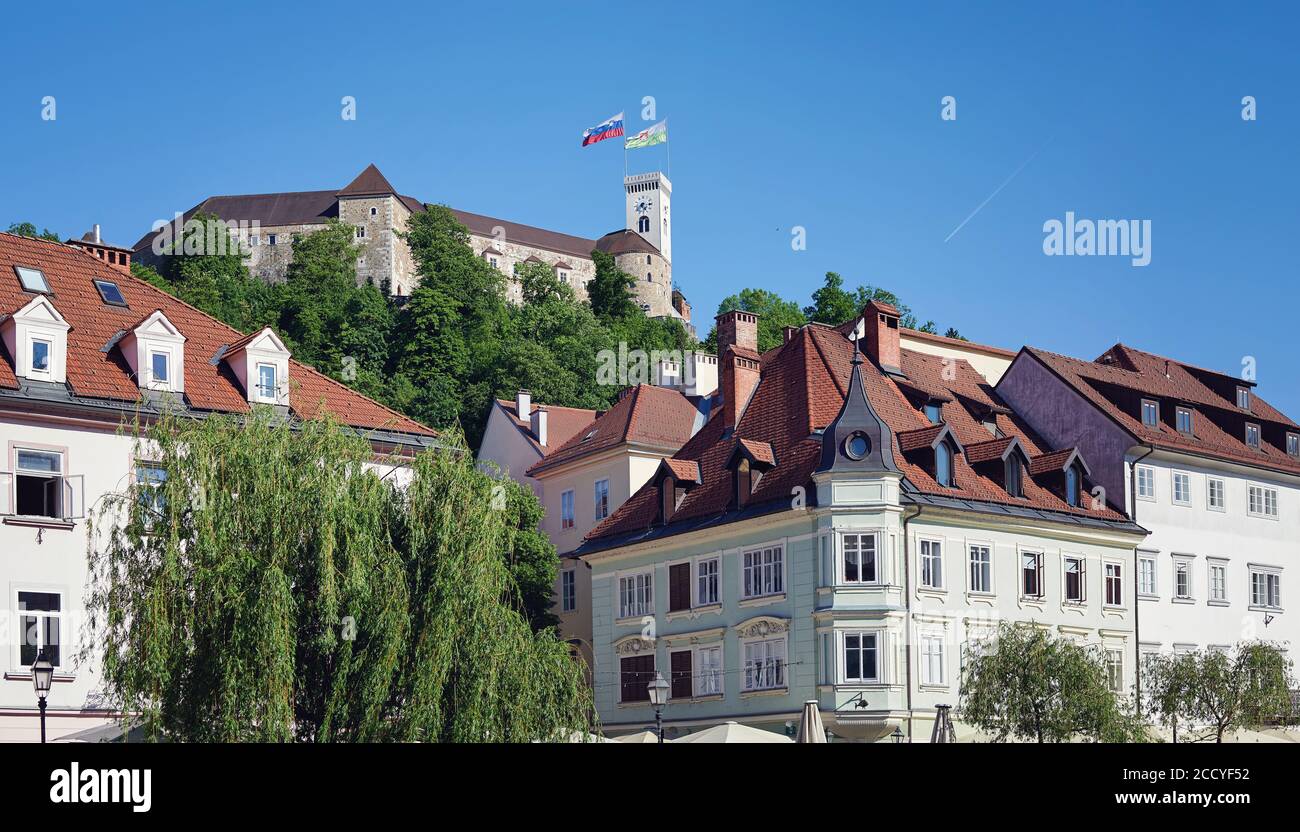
x: 155, y: 351
x: 1184, y: 420
x: 1150, y: 413
x: 1293, y: 444
x: 934, y: 412
x: 1252, y: 435
x: 261, y: 363
x: 266, y: 383
x: 1013, y: 476
x: 1243, y: 398
x: 41, y: 350
x: 991, y: 425
x: 36, y: 336
x: 32, y: 280
x: 943, y: 465
x: 744, y: 482
x: 1073, y: 485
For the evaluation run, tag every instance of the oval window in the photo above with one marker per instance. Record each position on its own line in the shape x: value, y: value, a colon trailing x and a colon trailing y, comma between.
x: 857, y: 446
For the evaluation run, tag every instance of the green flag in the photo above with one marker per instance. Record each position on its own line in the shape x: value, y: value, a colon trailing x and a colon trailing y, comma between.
x: 654, y: 134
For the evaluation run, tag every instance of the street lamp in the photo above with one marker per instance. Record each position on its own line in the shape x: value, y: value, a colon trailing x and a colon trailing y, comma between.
x: 42, y: 676
x: 897, y: 735
x: 658, y: 698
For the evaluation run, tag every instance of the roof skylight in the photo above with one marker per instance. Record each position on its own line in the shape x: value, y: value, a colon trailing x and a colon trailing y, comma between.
x: 109, y: 291
x: 33, y: 280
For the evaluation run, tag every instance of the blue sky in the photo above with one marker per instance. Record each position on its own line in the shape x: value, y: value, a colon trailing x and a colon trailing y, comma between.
x: 779, y: 116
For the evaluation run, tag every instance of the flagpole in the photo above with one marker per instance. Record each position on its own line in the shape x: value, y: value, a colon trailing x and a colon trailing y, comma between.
x: 668, y: 148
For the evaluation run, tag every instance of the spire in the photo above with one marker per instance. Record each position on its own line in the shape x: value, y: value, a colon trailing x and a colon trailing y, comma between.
x: 858, y: 440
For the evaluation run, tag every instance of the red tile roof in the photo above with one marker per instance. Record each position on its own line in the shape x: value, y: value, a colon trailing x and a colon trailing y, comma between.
x: 562, y: 423
x: 93, y: 373
x: 646, y: 415
x: 1122, y: 376
x: 802, y: 388
x: 684, y: 469
x: 758, y: 451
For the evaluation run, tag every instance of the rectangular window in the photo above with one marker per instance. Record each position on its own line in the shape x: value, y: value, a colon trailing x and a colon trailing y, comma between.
x: 1075, y: 580
x: 706, y: 581
x: 1293, y: 444
x: 1146, y: 479
x: 765, y: 664
x: 1031, y: 575
x: 41, y: 350
x: 1182, y: 488
x: 150, y: 480
x: 1115, y: 670
x: 679, y: 664
x: 1215, y: 497
x: 708, y: 671
x: 1263, y: 501
x: 861, y: 657
x: 1150, y: 413
x: 568, y: 591
x: 1114, y: 585
x: 38, y: 483
x: 859, y: 558
x: 40, y: 616
x: 1184, y: 420
x: 1265, y: 589
x: 110, y: 293
x: 361, y: 232
x: 159, y: 367
x: 764, y: 572
x: 635, y: 675
x: 1218, y: 582
x: 566, y: 509
x: 1182, y: 579
x: 266, y: 384
x: 1243, y: 398
x: 981, y: 569
x: 1252, y: 435
x: 636, y: 595
x: 271, y: 239
x: 931, y: 564
x: 600, y: 494
x: 933, y: 671
x: 1147, y: 576
x: 934, y: 413
x: 679, y: 587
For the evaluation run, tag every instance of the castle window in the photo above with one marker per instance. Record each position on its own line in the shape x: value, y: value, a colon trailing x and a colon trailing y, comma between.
x: 649, y: 277
x: 361, y: 232
x: 643, y: 225
x: 647, y: 259
x: 374, y: 212
x: 270, y: 239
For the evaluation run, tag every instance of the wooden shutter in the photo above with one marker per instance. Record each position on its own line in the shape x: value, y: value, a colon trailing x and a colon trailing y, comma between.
x: 680, y: 665
x: 637, y: 673
x: 679, y: 587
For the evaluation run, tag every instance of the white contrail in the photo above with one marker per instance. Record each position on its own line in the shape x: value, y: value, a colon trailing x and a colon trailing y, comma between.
x: 996, y: 191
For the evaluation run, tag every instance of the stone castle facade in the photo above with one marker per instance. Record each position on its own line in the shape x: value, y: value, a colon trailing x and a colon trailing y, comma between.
x: 379, y: 215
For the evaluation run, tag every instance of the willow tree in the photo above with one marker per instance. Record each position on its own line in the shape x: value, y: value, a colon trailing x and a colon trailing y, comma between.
x: 262, y: 581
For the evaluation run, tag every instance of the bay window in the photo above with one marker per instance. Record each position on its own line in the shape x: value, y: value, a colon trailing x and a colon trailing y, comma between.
x: 859, y: 558
x: 862, y: 657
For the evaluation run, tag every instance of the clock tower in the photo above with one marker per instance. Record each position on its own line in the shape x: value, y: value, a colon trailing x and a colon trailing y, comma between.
x: 649, y: 210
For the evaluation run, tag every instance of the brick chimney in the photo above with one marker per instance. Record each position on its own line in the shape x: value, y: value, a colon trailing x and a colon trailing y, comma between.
x: 115, y: 256
x: 880, y: 336
x: 738, y: 354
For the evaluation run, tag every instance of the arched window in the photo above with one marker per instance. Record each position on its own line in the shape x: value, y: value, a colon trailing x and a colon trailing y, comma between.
x: 649, y: 278
x: 647, y: 259
x: 643, y: 225
x: 1072, y: 485
x: 943, y: 465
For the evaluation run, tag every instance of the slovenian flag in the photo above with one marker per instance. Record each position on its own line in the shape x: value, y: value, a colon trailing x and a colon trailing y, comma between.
x: 652, y: 135
x: 610, y: 128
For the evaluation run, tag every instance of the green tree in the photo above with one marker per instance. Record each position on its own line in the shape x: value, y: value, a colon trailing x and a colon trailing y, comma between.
x: 833, y: 304
x: 610, y: 291
x: 206, y: 268
x: 1028, y: 684
x: 774, y: 312
x: 27, y: 229
x: 371, y: 613
x: 1220, y: 690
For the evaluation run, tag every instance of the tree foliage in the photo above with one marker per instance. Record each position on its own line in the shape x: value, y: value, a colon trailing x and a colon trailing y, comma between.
x: 27, y: 229
x: 774, y: 313
x: 1028, y: 684
x: 1218, y: 691
x: 272, y: 587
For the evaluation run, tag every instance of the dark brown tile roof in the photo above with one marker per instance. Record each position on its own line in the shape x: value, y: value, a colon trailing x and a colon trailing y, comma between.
x: 370, y: 182
x: 96, y: 374
x: 657, y: 417
x: 1122, y: 376
x: 562, y: 423
x: 624, y: 242
x: 802, y: 388
x: 526, y: 235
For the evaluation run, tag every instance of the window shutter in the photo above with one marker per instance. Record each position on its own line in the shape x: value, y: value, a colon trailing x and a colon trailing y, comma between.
x: 679, y: 587
x: 680, y: 665
x: 74, y: 497
x: 638, y: 672
x: 6, y: 493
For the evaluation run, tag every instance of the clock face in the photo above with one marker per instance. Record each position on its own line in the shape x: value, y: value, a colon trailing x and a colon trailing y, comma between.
x: 644, y: 205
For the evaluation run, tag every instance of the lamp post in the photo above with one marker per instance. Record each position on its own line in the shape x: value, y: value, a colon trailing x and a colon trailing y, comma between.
x: 658, y: 697
x: 42, y: 676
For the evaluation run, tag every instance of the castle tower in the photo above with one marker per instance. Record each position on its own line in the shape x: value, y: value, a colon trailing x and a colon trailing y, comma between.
x: 649, y: 210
